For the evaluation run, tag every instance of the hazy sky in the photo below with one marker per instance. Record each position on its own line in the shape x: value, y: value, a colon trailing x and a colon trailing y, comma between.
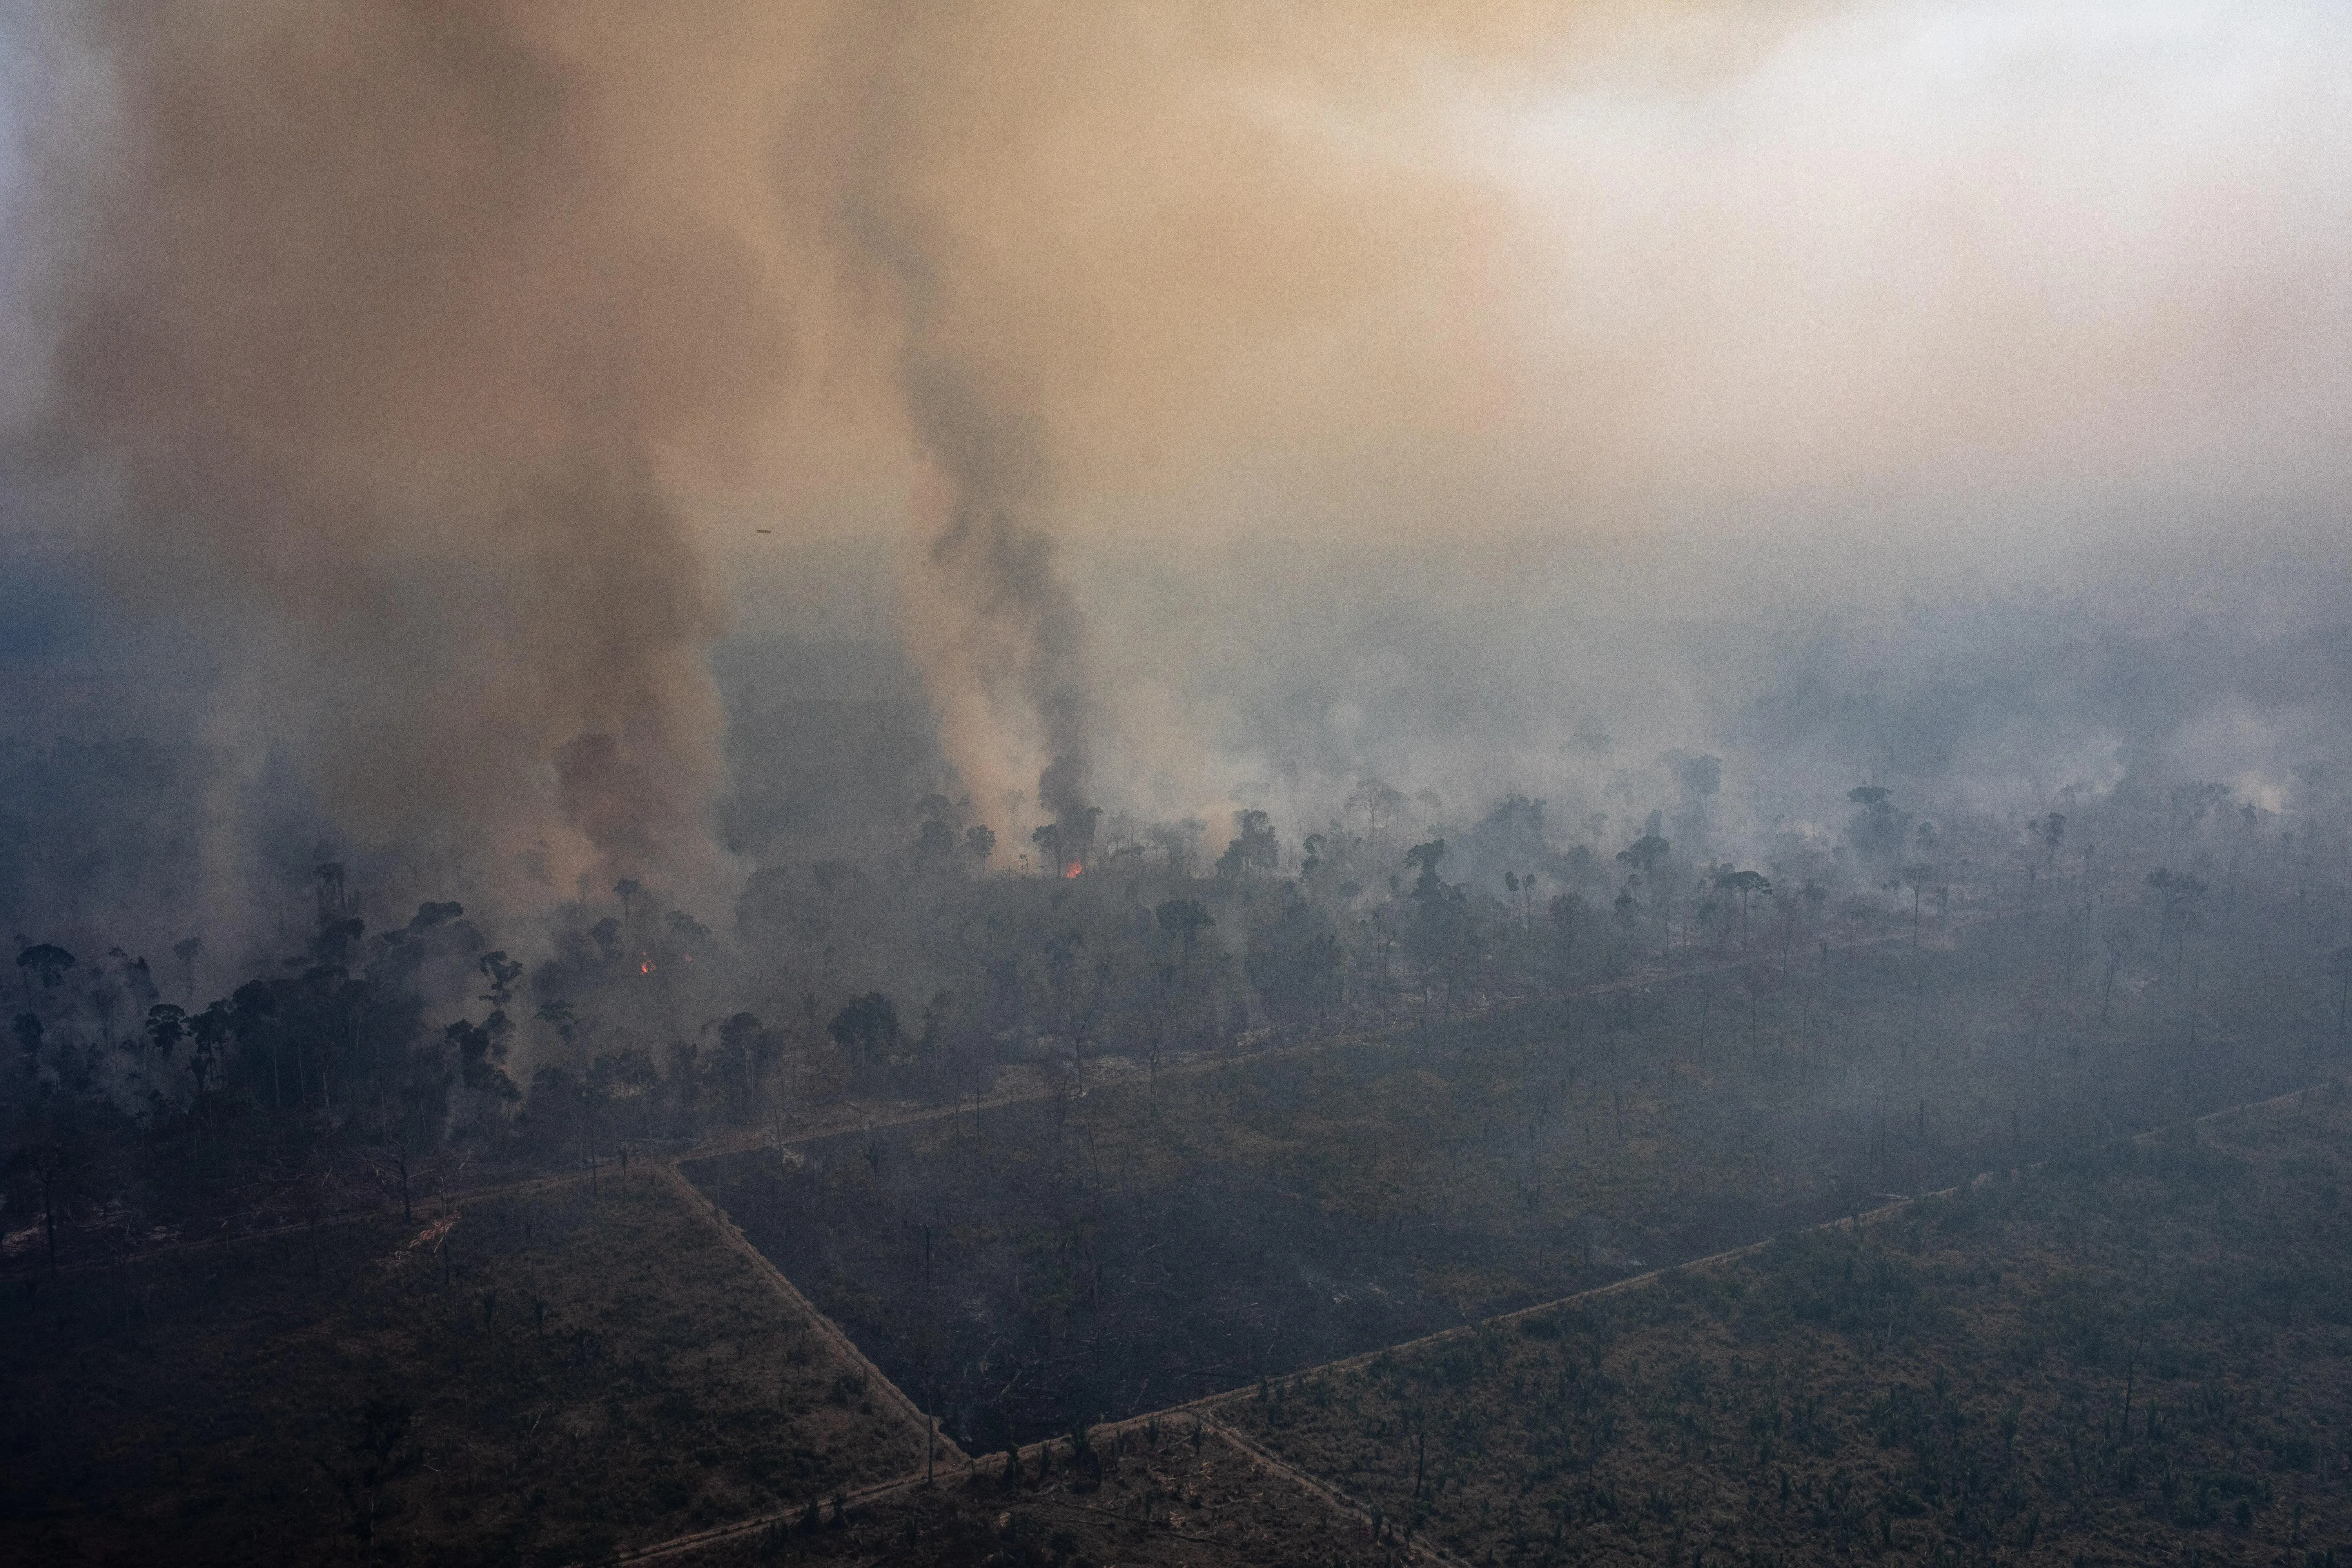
x: 2020, y: 265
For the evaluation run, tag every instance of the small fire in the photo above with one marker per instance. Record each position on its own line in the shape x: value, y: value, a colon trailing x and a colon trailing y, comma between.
x: 1072, y: 869
x: 645, y: 964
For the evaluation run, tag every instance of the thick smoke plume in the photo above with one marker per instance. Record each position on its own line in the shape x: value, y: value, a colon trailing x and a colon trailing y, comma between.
x: 442, y: 335
x: 993, y: 626
x: 381, y: 345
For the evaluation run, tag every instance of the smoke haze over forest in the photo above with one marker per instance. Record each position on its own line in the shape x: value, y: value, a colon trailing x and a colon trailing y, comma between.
x: 1162, y: 351
x: 1187, y: 713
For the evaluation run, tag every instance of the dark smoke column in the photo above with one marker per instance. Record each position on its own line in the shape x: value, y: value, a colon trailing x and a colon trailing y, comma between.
x: 381, y: 338
x: 1000, y: 640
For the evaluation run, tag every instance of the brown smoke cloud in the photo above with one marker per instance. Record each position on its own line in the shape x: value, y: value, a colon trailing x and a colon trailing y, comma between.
x: 449, y: 332
x: 993, y: 625
x: 382, y: 336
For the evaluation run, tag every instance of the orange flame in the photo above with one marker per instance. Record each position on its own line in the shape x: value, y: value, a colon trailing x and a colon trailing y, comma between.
x: 1072, y: 869
x: 646, y: 967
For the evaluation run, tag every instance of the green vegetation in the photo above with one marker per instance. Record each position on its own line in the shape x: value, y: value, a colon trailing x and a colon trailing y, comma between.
x: 534, y: 1377
x: 2138, y: 1353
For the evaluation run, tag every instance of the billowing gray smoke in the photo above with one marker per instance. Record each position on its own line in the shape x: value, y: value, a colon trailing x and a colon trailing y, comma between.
x: 406, y: 334
x: 1001, y: 639
x: 381, y: 346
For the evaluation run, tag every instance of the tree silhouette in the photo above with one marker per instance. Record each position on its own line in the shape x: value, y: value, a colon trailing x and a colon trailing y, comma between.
x: 1644, y: 853
x: 1185, y: 920
x: 866, y: 1026
x: 1376, y: 800
x: 1075, y: 1006
x: 1698, y: 777
x: 1876, y: 829
x: 1425, y: 856
x: 2179, y: 896
x: 330, y: 876
x: 1592, y: 747
x: 740, y: 1054
x: 1745, y: 886
x: 187, y: 950
x: 2052, y: 831
x: 167, y: 1025
x: 559, y: 1015
x: 627, y: 888
x: 45, y: 960
x: 979, y: 843
x: 2074, y: 949
x: 208, y: 1037
x: 51, y: 1167
x: 936, y: 840
x: 1568, y: 917
x: 1256, y: 845
x: 1048, y: 839
x: 608, y: 934
x: 502, y: 973
x: 1917, y: 875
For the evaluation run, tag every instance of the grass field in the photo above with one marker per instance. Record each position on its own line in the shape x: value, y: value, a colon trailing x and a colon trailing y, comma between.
x: 536, y: 1377
x: 2140, y: 1354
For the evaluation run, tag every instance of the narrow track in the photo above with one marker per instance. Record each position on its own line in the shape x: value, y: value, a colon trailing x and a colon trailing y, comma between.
x: 1334, y: 1499
x: 1203, y: 1409
x: 889, y: 1393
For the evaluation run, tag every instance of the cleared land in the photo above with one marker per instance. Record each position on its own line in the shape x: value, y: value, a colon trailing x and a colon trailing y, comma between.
x: 2139, y: 1353
x: 536, y: 1377
x: 1074, y: 1259
x: 1177, y: 1493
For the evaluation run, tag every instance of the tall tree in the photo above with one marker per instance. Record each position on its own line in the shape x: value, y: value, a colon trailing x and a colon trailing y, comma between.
x: 866, y: 1027
x: 1746, y: 887
x: 43, y: 961
x: 187, y: 950
x: 1185, y: 920
x: 2052, y: 831
x: 560, y: 1015
x: 1916, y: 875
x: 1567, y: 917
x: 502, y: 973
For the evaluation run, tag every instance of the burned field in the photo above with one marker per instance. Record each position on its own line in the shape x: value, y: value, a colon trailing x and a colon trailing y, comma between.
x: 1048, y: 1263
x: 2141, y: 1353
x: 541, y: 1376
x: 1055, y: 1298
x: 1170, y: 1492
